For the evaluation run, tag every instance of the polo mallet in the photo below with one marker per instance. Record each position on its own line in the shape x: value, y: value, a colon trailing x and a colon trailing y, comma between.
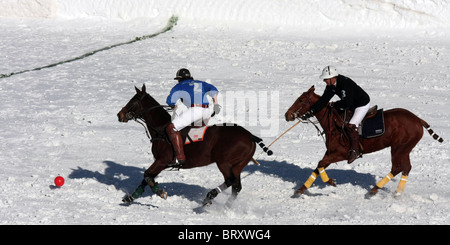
x: 299, y: 121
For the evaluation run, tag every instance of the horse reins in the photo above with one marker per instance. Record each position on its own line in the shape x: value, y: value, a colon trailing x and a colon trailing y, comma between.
x: 131, y: 115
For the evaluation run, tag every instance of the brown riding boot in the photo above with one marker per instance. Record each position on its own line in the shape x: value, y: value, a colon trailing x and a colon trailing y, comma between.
x: 353, y: 135
x: 177, y: 142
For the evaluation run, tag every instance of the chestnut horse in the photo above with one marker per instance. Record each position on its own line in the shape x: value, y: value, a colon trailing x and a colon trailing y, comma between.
x: 230, y: 147
x: 403, y: 130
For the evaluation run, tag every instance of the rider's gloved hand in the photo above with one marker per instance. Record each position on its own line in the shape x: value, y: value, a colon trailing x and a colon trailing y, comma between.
x: 216, y: 109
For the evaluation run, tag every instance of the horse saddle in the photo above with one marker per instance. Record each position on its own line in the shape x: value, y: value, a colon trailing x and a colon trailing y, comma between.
x: 373, y: 123
x: 193, y: 134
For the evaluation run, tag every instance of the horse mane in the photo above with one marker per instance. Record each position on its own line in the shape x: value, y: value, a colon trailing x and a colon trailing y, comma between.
x: 157, y: 107
x: 316, y: 96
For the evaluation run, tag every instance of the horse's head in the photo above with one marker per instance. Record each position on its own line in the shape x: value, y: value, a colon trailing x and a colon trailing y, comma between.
x: 134, y: 108
x: 301, y: 105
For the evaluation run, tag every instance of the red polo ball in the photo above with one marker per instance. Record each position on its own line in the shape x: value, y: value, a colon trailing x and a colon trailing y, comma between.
x: 59, y: 181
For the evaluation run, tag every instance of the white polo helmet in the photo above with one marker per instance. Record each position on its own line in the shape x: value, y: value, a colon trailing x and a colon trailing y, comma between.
x: 328, y: 72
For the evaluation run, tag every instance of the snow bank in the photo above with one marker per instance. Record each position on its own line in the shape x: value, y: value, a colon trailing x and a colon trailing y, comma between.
x: 62, y: 120
x: 28, y: 8
x: 300, y: 13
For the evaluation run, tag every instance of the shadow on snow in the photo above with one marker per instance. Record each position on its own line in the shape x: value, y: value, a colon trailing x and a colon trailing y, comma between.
x: 127, y: 178
x: 293, y: 173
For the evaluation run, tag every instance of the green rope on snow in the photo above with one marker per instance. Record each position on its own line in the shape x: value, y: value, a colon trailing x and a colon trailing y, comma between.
x: 170, y: 24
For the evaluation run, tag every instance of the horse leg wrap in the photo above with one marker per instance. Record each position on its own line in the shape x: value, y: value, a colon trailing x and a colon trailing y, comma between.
x: 401, y: 185
x: 384, y: 181
x: 323, y: 175
x: 213, y: 193
x: 155, y: 188
x: 310, y: 180
x: 221, y: 188
x: 153, y: 185
x: 138, y: 192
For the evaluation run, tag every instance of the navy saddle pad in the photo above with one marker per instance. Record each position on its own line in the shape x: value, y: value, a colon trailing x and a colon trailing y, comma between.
x: 373, y: 127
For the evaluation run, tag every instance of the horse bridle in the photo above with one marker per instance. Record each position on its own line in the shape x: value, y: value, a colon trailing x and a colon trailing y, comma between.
x: 131, y: 115
x: 296, y: 113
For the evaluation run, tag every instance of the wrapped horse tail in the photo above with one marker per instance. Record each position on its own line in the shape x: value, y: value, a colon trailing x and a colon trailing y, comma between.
x: 431, y: 132
x: 259, y: 141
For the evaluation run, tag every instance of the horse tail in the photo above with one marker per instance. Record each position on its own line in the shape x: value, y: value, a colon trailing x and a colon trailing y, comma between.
x: 431, y: 132
x: 259, y: 141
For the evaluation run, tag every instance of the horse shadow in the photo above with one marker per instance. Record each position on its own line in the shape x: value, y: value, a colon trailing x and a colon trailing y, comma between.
x: 119, y: 176
x: 294, y: 173
x: 127, y: 178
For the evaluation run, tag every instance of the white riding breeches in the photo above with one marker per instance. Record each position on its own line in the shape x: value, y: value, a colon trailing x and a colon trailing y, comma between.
x: 359, y: 114
x: 195, y: 115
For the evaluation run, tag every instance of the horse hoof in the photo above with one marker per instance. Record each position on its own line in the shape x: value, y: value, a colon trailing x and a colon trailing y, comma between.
x: 299, y: 192
x: 397, y: 194
x: 371, y: 193
x: 162, y: 194
x: 128, y: 199
x: 207, y: 203
x: 295, y: 195
x: 332, y: 182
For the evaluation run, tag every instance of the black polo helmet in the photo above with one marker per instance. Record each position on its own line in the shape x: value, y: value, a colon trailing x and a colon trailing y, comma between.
x: 183, y: 74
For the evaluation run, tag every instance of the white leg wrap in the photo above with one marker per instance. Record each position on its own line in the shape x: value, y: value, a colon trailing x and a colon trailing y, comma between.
x: 221, y: 187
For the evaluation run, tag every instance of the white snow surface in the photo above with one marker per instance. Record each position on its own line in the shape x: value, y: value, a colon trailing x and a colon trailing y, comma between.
x: 62, y: 120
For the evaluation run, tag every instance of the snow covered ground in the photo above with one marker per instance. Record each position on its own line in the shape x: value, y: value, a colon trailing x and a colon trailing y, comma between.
x: 62, y: 120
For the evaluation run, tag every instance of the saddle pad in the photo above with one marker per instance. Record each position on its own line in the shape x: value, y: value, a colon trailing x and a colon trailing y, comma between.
x: 195, y: 135
x: 373, y: 127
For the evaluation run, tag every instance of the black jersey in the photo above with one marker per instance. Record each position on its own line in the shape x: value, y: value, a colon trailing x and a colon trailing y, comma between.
x: 351, y: 95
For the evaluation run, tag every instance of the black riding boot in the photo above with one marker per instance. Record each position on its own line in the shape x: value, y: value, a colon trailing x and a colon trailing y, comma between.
x: 353, y: 135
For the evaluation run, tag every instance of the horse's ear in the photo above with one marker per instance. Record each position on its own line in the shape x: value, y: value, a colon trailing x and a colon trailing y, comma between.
x: 143, y: 88
x: 311, y: 89
x: 137, y: 90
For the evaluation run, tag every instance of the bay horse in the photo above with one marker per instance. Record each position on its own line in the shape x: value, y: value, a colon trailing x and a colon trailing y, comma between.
x: 403, y: 130
x: 230, y: 147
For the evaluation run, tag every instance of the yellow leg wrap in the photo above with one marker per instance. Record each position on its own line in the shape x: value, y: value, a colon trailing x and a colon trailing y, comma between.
x: 310, y: 180
x: 384, y: 181
x: 323, y: 175
x: 402, y: 184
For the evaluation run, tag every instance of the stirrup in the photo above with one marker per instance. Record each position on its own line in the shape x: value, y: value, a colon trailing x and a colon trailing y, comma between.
x: 350, y: 153
x: 176, y: 164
